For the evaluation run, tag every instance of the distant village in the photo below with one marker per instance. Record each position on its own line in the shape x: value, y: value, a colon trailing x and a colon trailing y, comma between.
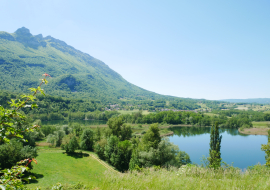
x: 115, y: 107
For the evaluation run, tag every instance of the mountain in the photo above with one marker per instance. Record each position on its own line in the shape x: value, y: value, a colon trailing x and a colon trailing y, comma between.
x: 251, y: 100
x: 25, y: 57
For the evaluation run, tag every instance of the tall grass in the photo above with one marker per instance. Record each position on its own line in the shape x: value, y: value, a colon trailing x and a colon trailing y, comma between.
x: 191, y: 178
x: 186, y: 177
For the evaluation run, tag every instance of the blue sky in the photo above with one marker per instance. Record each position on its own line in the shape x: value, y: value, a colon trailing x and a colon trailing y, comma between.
x: 196, y: 49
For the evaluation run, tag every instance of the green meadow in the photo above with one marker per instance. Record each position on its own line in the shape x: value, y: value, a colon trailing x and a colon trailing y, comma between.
x: 54, y: 166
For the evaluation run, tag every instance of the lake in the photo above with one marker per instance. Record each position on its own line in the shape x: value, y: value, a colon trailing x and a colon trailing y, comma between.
x: 81, y: 122
x: 239, y: 149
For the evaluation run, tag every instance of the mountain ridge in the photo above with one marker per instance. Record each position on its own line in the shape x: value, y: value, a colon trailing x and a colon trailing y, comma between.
x: 249, y: 100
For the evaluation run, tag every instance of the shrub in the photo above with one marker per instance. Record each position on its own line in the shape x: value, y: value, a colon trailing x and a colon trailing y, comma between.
x: 56, y: 138
x: 87, y: 140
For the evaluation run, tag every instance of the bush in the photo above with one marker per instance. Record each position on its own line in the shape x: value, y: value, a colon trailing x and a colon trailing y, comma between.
x: 10, y: 154
x: 87, y: 140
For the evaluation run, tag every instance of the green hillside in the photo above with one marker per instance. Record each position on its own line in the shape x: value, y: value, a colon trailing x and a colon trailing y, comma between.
x: 24, y: 57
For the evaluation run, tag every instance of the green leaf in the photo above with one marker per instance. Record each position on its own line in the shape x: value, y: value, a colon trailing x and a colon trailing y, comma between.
x: 33, y: 89
x: 31, y: 97
x: 41, y: 90
x: 44, y: 80
x: 34, y: 105
x: 2, y: 187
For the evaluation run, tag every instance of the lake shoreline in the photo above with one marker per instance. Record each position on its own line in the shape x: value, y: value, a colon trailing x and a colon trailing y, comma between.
x: 246, y: 131
x: 171, y: 126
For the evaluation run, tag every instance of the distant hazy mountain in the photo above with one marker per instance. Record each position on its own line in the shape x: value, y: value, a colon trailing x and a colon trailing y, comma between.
x: 253, y: 100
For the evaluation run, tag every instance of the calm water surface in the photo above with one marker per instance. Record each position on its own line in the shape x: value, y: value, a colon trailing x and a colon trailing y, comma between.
x: 81, y: 122
x: 241, y: 150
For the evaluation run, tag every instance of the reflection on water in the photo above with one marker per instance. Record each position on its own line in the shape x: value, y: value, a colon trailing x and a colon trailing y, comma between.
x: 239, y: 149
x: 81, y: 122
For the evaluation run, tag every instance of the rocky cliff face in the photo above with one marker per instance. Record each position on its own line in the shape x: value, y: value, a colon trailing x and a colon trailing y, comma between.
x: 70, y: 81
x: 24, y: 36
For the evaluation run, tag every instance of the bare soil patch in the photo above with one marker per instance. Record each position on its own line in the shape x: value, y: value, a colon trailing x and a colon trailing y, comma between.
x: 255, y: 131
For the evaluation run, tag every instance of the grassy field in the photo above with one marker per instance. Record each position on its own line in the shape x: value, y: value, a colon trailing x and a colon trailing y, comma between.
x: 54, y: 166
x: 260, y: 124
x: 211, y: 114
x: 144, y: 112
x: 242, y: 107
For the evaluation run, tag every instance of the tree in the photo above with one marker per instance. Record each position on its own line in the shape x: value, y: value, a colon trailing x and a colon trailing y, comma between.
x: 97, y: 134
x: 115, y: 124
x: 87, y: 140
x: 73, y: 145
x: 118, y: 153
x: 152, y: 137
x: 111, y: 149
x: 70, y: 143
x: 215, y: 144
x: 77, y: 129
x: 124, y: 152
x: 100, y: 148
x: 125, y: 132
x: 266, y: 148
